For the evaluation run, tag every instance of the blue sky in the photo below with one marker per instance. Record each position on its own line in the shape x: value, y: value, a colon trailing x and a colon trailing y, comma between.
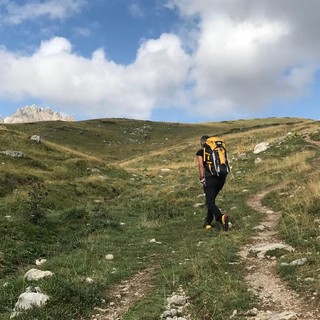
x: 163, y: 60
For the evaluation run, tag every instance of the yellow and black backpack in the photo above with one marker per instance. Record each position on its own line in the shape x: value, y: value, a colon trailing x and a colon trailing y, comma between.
x: 215, y: 156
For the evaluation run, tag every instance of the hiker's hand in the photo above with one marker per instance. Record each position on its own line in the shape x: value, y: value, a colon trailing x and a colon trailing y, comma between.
x: 203, y: 181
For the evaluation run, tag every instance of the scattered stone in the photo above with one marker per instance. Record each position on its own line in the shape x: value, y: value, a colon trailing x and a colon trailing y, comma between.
x: 29, y: 299
x: 260, y: 227
x: 234, y: 314
x: 176, y: 307
x: 309, y: 279
x: 165, y: 170
x: 198, y: 205
x: 35, y: 274
x: 14, y: 154
x: 258, y: 160
x: 242, y: 155
x: 260, y: 147
x: 109, y: 257
x: 298, y: 262
x: 93, y: 170
x: 36, y: 138
x: 252, y: 312
x: 89, y: 280
x: 177, y: 300
x: 286, y: 315
x: 40, y: 262
x: 263, y: 248
x: 269, y: 212
x: 155, y: 241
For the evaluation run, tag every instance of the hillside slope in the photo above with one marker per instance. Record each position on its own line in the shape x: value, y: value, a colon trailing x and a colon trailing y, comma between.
x: 98, y: 188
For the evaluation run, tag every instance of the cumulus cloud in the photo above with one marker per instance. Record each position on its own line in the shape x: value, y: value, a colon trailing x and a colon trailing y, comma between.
x: 250, y: 53
x: 96, y: 86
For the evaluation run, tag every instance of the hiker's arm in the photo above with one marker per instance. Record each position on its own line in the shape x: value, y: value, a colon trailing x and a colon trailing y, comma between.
x: 200, y: 167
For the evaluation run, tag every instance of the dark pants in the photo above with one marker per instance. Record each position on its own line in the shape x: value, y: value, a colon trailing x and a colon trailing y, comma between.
x: 213, y: 186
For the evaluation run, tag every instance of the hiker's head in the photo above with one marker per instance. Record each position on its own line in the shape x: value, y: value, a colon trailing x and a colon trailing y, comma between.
x: 203, y: 139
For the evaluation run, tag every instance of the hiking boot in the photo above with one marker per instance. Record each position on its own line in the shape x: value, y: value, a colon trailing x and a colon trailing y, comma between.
x: 225, y: 222
x: 208, y: 227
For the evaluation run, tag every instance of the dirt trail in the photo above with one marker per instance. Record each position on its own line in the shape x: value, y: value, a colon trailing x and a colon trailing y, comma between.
x: 278, y: 302
x: 124, y: 295
x: 316, y: 143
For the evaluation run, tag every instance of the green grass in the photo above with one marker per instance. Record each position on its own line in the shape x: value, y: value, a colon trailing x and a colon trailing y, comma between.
x: 96, y: 187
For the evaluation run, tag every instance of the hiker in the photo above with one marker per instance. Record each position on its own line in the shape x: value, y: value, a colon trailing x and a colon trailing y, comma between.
x: 212, y: 184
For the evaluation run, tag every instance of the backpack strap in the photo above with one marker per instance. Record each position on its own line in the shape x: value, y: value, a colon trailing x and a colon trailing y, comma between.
x: 207, y: 160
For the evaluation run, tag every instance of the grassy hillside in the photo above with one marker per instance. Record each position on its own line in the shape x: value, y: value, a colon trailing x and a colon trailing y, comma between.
x: 97, y: 187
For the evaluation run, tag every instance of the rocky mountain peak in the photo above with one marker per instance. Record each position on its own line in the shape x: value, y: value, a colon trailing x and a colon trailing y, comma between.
x: 34, y: 113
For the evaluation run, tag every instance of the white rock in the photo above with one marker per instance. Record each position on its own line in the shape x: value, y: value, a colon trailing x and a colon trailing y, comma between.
x: 36, y: 138
x: 258, y: 160
x: 177, y: 300
x: 234, y: 313
x: 263, y: 248
x: 28, y: 300
x: 14, y: 154
x: 252, y: 312
x: 309, y: 279
x: 155, y: 241
x: 89, y: 280
x: 197, y: 205
x: 260, y: 147
x: 35, y: 274
x: 298, y: 262
x: 109, y: 257
x: 286, y: 315
x: 260, y: 227
x: 40, y: 262
x: 165, y: 170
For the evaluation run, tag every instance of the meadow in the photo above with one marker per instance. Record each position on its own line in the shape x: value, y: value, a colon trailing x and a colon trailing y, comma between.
x: 109, y: 186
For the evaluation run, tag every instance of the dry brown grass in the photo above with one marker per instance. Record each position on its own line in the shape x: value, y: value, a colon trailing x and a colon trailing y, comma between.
x: 296, y: 164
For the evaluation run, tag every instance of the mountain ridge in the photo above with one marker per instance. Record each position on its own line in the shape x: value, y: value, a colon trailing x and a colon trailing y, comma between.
x: 34, y: 113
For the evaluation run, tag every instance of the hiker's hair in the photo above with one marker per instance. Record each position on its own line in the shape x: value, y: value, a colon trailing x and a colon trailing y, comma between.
x: 203, y: 139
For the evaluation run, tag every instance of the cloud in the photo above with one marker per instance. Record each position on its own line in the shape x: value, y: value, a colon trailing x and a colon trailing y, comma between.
x: 14, y: 14
x: 251, y: 53
x: 96, y: 87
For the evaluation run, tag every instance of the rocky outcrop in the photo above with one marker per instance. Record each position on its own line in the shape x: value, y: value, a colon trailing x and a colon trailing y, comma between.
x: 34, y: 114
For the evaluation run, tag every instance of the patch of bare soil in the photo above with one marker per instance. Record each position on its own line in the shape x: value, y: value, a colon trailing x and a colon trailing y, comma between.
x: 278, y: 302
x: 125, y: 294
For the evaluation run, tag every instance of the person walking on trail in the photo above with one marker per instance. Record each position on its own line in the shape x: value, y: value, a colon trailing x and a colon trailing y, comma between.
x: 212, y: 179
